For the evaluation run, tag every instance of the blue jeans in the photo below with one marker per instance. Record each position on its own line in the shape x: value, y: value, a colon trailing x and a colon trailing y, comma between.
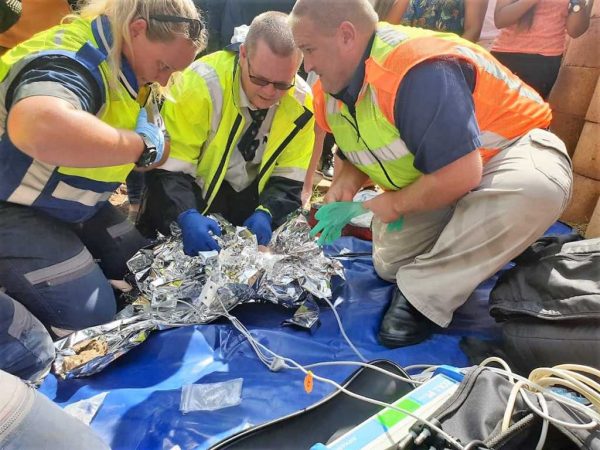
x: 59, y: 271
x: 135, y: 187
x: 26, y: 348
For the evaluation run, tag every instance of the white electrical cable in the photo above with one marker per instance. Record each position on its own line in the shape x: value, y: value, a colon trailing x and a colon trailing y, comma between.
x: 548, y: 392
x: 510, y: 405
x: 545, y: 423
x: 580, y: 368
x: 370, y: 366
x: 434, y: 427
x: 500, y: 361
x: 426, y: 368
x: 590, y: 413
x: 339, y: 321
x: 565, y: 375
x: 269, y: 362
x: 582, y: 426
x: 579, y: 383
x: 339, y: 387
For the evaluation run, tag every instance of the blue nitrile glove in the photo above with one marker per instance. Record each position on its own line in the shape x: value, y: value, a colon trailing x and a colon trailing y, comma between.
x: 195, y: 229
x: 260, y: 224
x: 152, y: 132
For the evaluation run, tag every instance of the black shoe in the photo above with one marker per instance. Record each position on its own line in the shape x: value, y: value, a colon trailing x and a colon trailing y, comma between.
x: 402, y: 324
x: 327, y: 165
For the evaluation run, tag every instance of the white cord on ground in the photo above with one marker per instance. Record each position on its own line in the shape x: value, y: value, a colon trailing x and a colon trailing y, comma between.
x: 565, y: 375
x: 370, y: 366
x: 339, y: 321
x: 340, y: 388
x: 257, y: 345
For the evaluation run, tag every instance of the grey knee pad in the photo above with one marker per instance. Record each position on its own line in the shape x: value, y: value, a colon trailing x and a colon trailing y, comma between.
x: 35, y: 422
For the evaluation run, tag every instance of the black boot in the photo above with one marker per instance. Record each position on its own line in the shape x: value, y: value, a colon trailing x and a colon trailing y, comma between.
x: 327, y: 165
x: 327, y: 157
x: 402, y: 324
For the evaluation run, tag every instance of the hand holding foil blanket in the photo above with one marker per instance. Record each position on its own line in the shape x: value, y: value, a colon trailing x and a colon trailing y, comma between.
x: 173, y: 289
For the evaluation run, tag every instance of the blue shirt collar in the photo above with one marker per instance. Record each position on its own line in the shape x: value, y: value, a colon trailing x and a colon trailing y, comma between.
x: 235, y: 48
x: 349, y: 95
x: 103, y: 34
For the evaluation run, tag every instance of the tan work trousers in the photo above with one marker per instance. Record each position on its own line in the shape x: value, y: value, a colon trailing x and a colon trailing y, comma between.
x: 440, y: 256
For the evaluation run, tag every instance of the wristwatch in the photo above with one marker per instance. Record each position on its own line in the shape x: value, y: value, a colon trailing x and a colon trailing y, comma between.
x: 149, y: 155
x: 577, y: 5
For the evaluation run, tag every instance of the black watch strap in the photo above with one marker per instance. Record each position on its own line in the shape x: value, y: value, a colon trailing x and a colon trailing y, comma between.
x: 149, y: 155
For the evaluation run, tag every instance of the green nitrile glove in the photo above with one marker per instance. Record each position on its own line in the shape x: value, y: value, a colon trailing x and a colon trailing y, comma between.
x: 333, y: 217
x: 397, y: 225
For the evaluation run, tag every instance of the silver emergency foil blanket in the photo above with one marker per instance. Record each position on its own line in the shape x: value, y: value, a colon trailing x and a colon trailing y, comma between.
x: 173, y: 289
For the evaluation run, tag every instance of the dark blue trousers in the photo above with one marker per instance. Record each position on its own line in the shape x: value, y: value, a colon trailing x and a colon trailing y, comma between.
x: 26, y: 348
x: 59, y: 271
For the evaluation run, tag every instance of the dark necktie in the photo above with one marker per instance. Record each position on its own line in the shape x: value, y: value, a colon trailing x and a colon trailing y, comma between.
x: 248, y: 143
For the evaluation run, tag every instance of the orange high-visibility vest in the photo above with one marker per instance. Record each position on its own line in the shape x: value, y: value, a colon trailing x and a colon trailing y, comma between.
x: 505, y: 107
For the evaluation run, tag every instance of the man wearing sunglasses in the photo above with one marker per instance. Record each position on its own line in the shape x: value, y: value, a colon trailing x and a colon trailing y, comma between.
x: 241, y: 129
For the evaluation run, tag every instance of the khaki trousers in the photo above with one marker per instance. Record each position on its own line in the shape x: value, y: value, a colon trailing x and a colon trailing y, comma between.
x: 29, y: 420
x: 440, y: 256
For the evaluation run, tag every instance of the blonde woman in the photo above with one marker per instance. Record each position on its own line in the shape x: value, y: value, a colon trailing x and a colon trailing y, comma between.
x: 71, y: 129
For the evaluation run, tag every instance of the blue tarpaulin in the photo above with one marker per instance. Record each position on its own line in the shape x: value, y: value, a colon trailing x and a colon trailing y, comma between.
x: 141, y: 410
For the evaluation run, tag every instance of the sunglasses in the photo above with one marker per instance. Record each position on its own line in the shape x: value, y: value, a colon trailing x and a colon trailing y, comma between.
x: 259, y: 81
x: 195, y: 26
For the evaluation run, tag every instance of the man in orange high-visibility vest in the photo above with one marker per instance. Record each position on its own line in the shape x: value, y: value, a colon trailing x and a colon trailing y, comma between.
x: 457, y: 142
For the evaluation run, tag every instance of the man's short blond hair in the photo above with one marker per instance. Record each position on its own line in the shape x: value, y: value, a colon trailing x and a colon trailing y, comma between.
x: 273, y: 29
x: 328, y: 15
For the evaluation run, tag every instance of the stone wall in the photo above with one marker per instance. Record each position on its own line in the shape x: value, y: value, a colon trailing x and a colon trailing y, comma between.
x: 575, y: 101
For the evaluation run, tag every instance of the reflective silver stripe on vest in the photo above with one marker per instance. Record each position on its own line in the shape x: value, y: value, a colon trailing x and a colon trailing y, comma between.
x: 493, y: 140
x: 122, y: 78
x: 14, y: 71
x: 120, y: 229
x: 177, y: 165
x: 21, y: 321
x: 292, y: 173
x: 32, y: 183
x: 301, y: 90
x: 64, y: 191
x: 390, y: 35
x: 211, y: 77
x: 495, y: 71
x: 64, y: 271
x: 200, y: 183
x: 61, y: 332
x: 391, y: 152
x: 58, y: 37
x: 333, y: 105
